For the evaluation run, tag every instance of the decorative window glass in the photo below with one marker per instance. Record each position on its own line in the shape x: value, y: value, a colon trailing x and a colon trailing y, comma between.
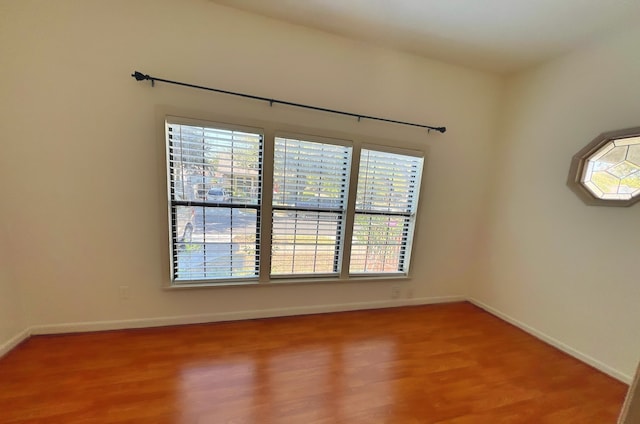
x: 607, y: 171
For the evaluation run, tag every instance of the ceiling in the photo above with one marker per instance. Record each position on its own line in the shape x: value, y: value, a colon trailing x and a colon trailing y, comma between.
x: 495, y: 35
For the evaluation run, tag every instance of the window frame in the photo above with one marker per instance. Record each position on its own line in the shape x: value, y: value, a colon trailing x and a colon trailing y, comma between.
x: 269, y: 131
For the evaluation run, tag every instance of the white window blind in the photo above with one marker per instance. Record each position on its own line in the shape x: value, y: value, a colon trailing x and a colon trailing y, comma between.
x: 215, y: 186
x: 386, y: 202
x: 310, y: 182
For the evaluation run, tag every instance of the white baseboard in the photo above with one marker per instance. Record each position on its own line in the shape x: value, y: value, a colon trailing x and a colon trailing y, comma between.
x: 618, y: 375
x: 14, y: 341
x: 234, y: 316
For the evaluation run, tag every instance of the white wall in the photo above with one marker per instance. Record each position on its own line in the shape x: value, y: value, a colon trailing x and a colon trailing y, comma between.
x: 567, y: 270
x: 87, y: 195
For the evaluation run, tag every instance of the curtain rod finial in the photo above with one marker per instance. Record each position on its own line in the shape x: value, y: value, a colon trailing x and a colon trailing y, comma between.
x: 139, y: 76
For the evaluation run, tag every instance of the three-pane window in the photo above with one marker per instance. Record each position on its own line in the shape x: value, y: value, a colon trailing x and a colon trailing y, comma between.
x: 217, y: 217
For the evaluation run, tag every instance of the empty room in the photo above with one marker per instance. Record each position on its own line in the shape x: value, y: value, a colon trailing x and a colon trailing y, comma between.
x: 322, y: 211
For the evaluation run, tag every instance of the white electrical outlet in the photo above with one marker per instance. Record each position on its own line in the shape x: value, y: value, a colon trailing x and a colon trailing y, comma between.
x: 124, y: 292
x: 395, y: 292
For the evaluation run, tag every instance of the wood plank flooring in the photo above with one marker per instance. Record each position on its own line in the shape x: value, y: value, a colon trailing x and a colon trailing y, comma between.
x: 449, y: 363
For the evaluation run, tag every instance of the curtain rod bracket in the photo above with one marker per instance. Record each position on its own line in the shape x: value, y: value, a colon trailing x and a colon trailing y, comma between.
x: 139, y: 76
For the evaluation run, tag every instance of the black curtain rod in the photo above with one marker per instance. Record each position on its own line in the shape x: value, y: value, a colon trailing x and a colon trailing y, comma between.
x: 139, y: 76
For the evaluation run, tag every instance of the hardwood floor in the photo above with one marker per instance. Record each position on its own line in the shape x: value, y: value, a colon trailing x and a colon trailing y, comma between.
x: 450, y: 363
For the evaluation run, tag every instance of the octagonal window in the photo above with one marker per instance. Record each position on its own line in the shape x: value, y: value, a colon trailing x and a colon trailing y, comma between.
x: 607, y: 171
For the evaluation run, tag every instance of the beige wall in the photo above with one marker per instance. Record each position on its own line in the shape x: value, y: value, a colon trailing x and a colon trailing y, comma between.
x: 88, y: 207
x: 13, y: 322
x: 566, y: 270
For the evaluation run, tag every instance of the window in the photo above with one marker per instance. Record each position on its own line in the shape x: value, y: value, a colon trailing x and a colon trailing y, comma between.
x: 314, y: 225
x: 386, y: 202
x: 607, y: 171
x: 310, y: 186
x: 215, y: 231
